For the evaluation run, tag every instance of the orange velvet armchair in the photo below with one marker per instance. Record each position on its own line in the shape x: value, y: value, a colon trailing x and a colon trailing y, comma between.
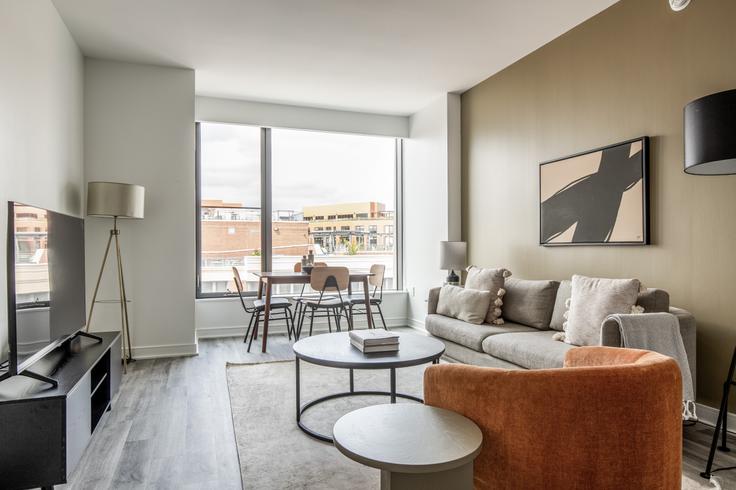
x: 610, y: 419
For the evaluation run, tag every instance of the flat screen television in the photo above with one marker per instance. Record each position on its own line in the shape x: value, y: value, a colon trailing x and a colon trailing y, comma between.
x: 46, y: 290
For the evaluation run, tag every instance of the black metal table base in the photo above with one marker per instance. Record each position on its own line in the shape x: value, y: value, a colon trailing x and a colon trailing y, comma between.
x: 300, y: 409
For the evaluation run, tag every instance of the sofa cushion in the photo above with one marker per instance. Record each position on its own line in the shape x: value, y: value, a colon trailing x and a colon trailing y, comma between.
x: 469, y: 305
x: 564, y: 291
x: 592, y: 300
x: 654, y: 300
x: 467, y: 334
x: 531, y: 350
x: 529, y: 302
x: 492, y: 280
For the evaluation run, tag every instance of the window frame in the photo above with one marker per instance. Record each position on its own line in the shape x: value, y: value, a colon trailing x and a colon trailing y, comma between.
x: 266, y: 207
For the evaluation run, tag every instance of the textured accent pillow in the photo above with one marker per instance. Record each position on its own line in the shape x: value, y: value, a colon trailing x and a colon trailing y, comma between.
x: 468, y: 305
x: 489, y: 280
x: 592, y: 300
x: 529, y: 302
x: 558, y: 314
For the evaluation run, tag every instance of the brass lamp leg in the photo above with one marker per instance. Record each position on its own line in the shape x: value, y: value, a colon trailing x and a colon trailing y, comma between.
x: 99, y: 278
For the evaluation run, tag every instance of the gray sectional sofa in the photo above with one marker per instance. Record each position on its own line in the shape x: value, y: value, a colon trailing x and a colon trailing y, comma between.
x: 516, y: 345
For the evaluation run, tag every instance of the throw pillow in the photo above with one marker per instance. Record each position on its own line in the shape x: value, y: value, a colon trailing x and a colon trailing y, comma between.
x: 468, y: 305
x: 592, y: 300
x: 529, y: 302
x: 558, y: 314
x: 491, y: 280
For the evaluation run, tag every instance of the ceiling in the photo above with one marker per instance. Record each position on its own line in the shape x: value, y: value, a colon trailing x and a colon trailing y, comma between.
x: 381, y: 56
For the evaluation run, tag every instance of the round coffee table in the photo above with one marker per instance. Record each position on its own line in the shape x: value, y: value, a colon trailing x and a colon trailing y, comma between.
x: 414, y: 446
x: 335, y: 350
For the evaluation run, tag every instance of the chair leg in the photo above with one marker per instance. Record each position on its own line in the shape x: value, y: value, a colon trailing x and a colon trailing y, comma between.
x: 286, y: 319
x: 247, y: 330
x: 329, y: 322
x: 255, y: 330
x: 350, y: 315
x: 311, y: 322
x: 378, y: 307
x: 293, y: 326
x: 300, y: 321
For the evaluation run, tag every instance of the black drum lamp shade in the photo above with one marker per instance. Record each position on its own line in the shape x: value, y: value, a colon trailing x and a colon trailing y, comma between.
x: 710, y: 134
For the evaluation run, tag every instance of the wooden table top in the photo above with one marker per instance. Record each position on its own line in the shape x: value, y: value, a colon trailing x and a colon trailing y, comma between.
x: 284, y: 276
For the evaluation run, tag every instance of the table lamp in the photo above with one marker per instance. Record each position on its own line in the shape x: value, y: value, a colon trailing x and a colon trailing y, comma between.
x: 710, y: 149
x: 117, y: 201
x: 453, y: 256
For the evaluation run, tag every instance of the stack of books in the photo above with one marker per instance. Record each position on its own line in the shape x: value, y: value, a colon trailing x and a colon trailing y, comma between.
x: 368, y: 341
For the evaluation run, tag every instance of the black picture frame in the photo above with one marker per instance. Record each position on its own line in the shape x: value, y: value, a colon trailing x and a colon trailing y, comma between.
x: 644, y: 166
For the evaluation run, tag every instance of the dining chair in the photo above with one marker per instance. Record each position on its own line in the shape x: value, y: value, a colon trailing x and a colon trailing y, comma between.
x: 327, y: 280
x: 376, y: 280
x: 280, y: 310
x: 299, y: 299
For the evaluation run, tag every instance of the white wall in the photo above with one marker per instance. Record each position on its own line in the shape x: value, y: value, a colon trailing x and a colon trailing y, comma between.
x: 431, y: 197
x: 40, y: 118
x: 298, y: 117
x: 139, y: 128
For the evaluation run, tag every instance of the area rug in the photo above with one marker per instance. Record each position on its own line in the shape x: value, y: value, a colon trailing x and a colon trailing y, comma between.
x: 274, y: 453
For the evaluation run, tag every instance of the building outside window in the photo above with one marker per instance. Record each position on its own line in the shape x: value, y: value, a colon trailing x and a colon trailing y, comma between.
x: 320, y: 204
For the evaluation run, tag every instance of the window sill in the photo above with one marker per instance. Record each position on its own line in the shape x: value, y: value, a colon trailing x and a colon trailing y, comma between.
x: 393, y: 292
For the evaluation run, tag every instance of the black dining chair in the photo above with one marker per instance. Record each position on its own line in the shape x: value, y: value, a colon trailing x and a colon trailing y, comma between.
x: 327, y: 280
x: 357, y: 301
x: 280, y: 310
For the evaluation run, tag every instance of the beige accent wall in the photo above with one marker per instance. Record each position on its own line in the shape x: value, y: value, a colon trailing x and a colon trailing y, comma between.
x: 625, y: 73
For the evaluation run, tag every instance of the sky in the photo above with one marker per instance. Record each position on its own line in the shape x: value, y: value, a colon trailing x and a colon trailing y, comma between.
x: 309, y: 167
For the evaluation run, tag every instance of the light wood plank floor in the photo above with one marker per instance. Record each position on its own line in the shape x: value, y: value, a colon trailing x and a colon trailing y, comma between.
x: 171, y: 426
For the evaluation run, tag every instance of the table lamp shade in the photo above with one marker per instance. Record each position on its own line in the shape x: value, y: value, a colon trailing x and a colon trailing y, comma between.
x: 112, y: 199
x: 452, y: 255
x: 710, y: 134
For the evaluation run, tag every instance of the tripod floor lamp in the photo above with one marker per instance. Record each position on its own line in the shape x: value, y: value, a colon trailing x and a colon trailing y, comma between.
x: 116, y: 201
x: 710, y: 149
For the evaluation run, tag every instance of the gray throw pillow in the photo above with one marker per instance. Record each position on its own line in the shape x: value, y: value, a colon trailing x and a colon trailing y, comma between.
x: 558, y: 314
x: 492, y: 280
x: 468, y: 305
x: 592, y: 300
x: 529, y: 302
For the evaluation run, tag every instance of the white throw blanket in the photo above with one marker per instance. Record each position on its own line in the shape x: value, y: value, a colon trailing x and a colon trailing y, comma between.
x: 659, y: 332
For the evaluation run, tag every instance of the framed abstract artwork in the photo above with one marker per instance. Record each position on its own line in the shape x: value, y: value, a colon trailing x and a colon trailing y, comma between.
x: 597, y: 197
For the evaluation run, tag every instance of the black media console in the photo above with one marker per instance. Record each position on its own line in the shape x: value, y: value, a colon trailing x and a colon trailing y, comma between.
x: 44, y: 430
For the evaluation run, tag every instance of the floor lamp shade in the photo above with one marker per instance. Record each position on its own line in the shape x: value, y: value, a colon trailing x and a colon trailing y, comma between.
x: 453, y: 255
x: 710, y: 134
x: 112, y: 199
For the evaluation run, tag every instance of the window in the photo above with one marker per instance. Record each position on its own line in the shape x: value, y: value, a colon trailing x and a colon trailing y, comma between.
x: 315, y: 178
x: 230, y: 206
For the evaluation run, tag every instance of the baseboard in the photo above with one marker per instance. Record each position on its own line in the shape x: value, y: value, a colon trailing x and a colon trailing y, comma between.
x: 279, y: 328
x: 417, y: 324
x: 709, y: 416
x: 171, y: 350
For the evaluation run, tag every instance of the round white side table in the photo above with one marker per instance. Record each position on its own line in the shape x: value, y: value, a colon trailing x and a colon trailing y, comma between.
x: 414, y: 446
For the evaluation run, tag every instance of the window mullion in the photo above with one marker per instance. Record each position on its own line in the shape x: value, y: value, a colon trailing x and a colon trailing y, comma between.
x: 266, y: 214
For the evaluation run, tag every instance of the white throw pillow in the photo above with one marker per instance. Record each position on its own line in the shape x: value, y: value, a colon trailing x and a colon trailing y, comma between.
x: 592, y: 300
x: 468, y: 305
x: 485, y: 279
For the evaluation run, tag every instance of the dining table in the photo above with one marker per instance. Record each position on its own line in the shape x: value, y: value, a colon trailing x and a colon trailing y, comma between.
x: 266, y: 280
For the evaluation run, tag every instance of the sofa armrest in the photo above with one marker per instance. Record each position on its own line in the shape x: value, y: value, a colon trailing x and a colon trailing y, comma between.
x: 432, y: 300
x: 611, y: 336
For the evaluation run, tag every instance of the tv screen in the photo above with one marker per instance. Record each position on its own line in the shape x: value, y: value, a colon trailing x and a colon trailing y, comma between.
x: 46, y: 291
